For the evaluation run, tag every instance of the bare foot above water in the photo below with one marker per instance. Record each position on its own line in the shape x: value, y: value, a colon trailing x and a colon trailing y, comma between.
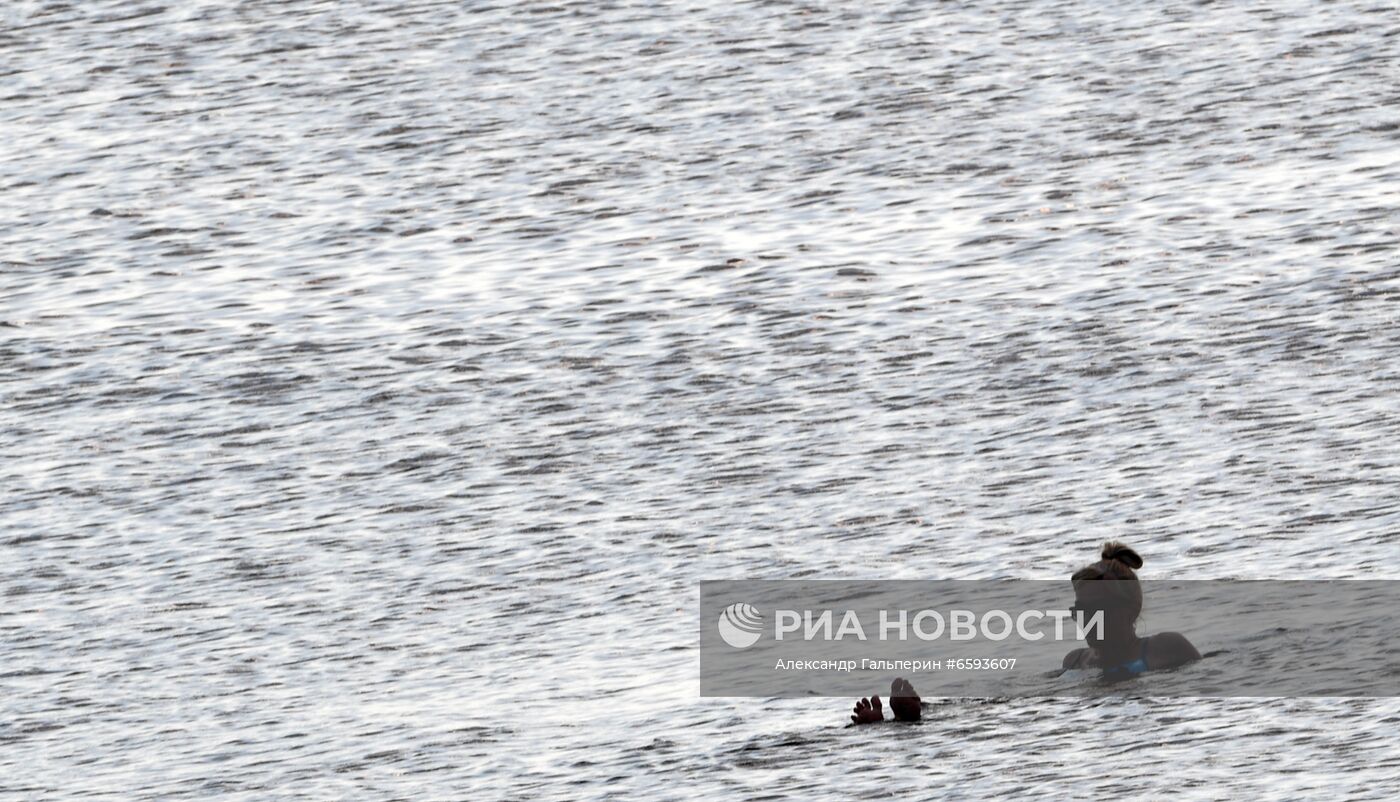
x: 868, y: 711
x: 904, y: 701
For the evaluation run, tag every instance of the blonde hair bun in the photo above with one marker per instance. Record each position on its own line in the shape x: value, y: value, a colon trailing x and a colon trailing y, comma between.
x: 1113, y: 550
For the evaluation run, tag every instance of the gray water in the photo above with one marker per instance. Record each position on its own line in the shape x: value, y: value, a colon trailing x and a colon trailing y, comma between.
x: 380, y: 379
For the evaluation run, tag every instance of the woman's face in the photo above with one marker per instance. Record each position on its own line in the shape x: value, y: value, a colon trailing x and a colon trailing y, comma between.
x: 1092, y: 597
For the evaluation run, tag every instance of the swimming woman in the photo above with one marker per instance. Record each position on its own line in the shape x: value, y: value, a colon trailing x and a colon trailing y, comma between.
x: 1116, y: 648
x: 1109, y: 586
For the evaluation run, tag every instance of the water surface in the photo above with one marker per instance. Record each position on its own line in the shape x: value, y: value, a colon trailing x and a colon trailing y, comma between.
x: 378, y: 379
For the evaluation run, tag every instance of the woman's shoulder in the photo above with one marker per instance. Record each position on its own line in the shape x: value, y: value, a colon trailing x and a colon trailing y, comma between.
x: 1078, y: 658
x: 1170, y: 649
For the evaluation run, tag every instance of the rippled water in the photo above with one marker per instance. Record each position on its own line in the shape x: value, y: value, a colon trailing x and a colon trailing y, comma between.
x: 379, y: 379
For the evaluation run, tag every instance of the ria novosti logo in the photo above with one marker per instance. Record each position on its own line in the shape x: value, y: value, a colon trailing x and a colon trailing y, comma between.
x: 740, y: 625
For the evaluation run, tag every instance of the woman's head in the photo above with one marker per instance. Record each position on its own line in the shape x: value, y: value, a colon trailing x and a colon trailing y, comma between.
x: 1110, y: 585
